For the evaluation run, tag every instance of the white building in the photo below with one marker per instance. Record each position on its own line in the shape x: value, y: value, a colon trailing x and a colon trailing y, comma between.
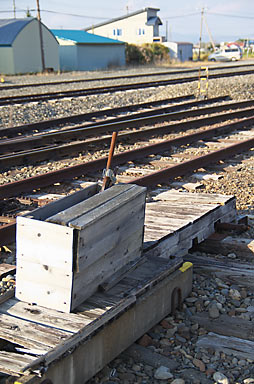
x: 83, y: 51
x: 134, y: 28
x: 180, y: 51
x: 20, y: 46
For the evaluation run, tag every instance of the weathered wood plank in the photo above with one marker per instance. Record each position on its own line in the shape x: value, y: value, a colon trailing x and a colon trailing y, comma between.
x: 44, y: 316
x: 84, y: 281
x: 47, y: 247
x: 234, y: 273
x: 6, y: 269
x: 193, y: 197
x: 228, y: 344
x: 100, y: 211
x: 120, y: 274
x: 107, y: 235
x: 84, y: 207
x: 242, y: 247
x: 64, y: 203
x: 29, y: 335
x: 226, y: 325
x: 6, y: 295
x: 32, y: 235
x: 146, y: 356
x: 82, y: 335
x: 179, y: 240
x: 11, y: 363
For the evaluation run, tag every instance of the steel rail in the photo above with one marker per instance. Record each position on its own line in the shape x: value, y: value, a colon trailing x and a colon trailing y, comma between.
x: 128, y: 76
x: 110, y: 89
x: 7, y: 232
x: 155, y: 111
x: 42, y: 125
x: 43, y: 180
x: 135, y: 120
x: 168, y: 174
x: 57, y: 151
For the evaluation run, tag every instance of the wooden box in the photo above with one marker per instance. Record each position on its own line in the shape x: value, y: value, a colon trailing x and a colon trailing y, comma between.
x: 66, y: 249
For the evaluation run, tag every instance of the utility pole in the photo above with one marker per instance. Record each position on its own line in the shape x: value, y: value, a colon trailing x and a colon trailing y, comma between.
x: 14, y: 9
x: 200, y: 36
x: 209, y: 33
x: 41, y: 38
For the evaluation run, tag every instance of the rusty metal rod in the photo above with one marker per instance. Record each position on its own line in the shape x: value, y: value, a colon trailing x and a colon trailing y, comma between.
x: 106, y: 180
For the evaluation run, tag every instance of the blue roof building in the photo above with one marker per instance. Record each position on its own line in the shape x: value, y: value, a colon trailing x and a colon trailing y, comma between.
x: 82, y: 51
x: 20, y: 46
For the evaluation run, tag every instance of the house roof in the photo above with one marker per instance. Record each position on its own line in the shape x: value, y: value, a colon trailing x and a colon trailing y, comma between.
x: 10, y: 28
x: 82, y: 37
x: 122, y: 17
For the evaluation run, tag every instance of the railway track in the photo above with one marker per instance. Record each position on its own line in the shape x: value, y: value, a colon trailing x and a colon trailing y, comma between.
x: 157, y: 160
x: 60, y: 144
x: 31, y: 147
x: 97, y: 117
x: 3, y: 86
x: 19, y: 99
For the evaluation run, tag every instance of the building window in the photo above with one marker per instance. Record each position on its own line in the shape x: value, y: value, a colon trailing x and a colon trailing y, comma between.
x: 117, y: 32
x: 140, y: 31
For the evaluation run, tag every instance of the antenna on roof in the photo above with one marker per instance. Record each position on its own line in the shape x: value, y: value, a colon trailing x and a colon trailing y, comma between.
x: 127, y: 9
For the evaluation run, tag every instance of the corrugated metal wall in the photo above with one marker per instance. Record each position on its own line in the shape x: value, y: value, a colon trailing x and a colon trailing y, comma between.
x: 86, y: 57
x: 25, y: 55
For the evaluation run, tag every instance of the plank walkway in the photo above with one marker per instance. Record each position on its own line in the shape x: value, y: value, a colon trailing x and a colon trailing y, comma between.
x: 33, y: 338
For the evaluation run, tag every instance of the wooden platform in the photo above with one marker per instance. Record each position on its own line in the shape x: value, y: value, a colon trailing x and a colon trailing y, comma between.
x: 71, y: 348
x: 174, y: 220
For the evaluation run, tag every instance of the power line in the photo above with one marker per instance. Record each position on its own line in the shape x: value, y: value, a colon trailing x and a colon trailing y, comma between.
x: 230, y: 15
x: 180, y: 16
x: 58, y: 13
x: 73, y: 14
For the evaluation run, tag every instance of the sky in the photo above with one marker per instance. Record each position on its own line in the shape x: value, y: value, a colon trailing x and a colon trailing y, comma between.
x: 225, y: 20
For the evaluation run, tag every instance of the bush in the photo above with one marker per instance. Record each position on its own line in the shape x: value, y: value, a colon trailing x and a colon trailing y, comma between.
x: 133, y: 54
x: 146, y: 53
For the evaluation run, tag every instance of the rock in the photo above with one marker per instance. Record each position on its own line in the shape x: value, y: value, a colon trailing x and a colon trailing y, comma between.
x: 163, y: 373
x: 127, y: 376
x: 171, y: 332
x: 178, y: 381
x: 194, y: 376
x: 145, y: 340
x: 220, y: 378
x: 199, y: 364
x: 165, y: 324
x: 180, y: 338
x: 136, y: 368
x: 234, y: 294
x: 194, y: 327
x: 224, y: 291
x: 213, y: 311
x: 184, y: 332
x: 190, y: 300
x: 232, y: 255
x: 165, y: 342
x: 209, y: 372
